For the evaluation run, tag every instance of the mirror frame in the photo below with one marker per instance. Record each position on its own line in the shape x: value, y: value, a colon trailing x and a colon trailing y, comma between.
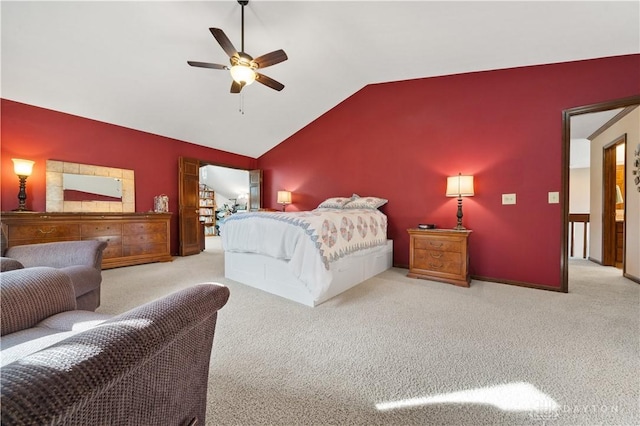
x: 55, y: 193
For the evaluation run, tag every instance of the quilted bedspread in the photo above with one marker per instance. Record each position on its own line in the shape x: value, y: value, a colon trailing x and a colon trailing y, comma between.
x: 310, y: 241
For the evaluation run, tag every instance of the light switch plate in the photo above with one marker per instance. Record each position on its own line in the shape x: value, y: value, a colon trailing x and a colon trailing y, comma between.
x: 508, y: 199
x: 554, y: 197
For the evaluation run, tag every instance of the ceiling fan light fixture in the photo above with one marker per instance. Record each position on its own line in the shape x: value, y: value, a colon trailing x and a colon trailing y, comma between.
x: 243, y: 74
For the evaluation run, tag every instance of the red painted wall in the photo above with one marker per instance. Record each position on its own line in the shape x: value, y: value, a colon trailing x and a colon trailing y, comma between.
x: 39, y: 134
x: 401, y: 140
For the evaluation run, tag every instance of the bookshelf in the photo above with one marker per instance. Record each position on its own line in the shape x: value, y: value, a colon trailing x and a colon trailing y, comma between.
x: 208, y: 210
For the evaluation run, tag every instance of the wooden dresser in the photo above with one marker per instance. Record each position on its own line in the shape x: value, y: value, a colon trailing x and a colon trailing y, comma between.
x: 439, y: 255
x: 133, y: 238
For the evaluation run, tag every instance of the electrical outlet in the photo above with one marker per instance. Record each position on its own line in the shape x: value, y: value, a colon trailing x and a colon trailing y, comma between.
x: 508, y: 198
x: 554, y: 197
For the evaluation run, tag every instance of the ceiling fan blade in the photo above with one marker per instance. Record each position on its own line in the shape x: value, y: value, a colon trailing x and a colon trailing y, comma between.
x: 269, y: 82
x: 272, y: 58
x: 207, y: 65
x: 236, y: 87
x: 224, y: 41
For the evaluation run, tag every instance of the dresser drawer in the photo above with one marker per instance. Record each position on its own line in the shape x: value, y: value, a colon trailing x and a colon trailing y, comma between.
x: 441, y: 244
x: 44, y: 232
x: 100, y: 229
x: 113, y: 248
x: 143, y: 249
x: 144, y: 228
x: 129, y: 240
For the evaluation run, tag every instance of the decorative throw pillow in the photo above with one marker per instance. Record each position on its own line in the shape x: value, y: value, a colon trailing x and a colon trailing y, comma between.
x: 334, y: 203
x: 366, y: 203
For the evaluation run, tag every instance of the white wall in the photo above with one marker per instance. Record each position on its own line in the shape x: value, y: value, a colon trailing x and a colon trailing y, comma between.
x: 579, y: 202
x: 630, y: 124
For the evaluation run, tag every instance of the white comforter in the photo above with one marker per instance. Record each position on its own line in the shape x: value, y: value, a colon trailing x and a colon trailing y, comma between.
x: 308, y: 241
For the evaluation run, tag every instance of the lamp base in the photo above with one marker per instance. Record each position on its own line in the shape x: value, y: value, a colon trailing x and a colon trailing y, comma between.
x: 21, y: 210
x: 459, y: 226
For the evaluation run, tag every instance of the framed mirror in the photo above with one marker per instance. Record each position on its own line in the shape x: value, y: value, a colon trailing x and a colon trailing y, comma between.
x: 76, y: 187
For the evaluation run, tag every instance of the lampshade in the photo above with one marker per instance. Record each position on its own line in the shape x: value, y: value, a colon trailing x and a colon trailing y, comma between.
x: 243, y: 74
x: 22, y: 167
x: 460, y: 186
x: 284, y: 197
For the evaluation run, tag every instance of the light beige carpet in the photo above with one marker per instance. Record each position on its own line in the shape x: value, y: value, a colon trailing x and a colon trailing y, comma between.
x: 400, y: 351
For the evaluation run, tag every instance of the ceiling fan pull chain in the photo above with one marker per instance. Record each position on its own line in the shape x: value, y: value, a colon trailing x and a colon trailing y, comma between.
x: 241, y: 101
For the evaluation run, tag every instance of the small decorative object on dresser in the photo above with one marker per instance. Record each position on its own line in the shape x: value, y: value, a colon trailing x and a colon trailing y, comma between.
x: 161, y: 203
x: 439, y: 255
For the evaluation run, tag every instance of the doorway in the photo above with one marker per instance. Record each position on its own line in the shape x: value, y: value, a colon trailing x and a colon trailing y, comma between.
x: 627, y: 104
x: 191, y: 230
x: 224, y: 192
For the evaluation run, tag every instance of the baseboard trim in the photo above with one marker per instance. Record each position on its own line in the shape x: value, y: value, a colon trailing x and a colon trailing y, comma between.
x: 518, y: 283
x: 632, y: 278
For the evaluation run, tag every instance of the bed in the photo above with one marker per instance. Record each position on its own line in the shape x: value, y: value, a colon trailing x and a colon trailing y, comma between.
x: 308, y: 257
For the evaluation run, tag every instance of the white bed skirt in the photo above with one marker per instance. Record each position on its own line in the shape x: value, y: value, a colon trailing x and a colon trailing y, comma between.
x: 273, y: 275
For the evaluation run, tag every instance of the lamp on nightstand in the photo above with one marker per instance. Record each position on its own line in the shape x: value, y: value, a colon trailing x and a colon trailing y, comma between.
x: 460, y: 186
x: 284, y: 198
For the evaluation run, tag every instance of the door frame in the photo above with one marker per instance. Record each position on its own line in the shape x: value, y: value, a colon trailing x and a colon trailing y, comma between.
x: 566, y: 155
x: 609, y: 201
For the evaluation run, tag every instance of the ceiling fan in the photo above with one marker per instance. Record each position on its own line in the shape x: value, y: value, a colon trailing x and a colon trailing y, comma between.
x: 243, y: 67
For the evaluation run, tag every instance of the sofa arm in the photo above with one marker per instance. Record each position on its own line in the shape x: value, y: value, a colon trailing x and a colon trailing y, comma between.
x: 147, y: 366
x: 8, y: 264
x: 27, y: 296
x: 59, y: 254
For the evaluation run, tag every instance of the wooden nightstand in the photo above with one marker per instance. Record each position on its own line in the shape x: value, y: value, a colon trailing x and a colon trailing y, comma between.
x: 439, y: 255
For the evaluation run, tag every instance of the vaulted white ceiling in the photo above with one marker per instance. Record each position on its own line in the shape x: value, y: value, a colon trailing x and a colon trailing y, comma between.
x: 126, y: 62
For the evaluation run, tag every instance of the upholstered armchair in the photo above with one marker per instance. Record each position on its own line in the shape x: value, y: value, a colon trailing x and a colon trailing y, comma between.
x: 81, y: 260
x: 147, y: 366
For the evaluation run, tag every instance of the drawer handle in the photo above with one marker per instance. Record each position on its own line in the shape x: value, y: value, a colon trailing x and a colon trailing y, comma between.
x: 435, y: 244
x: 46, y: 232
x: 436, y: 255
x: 436, y: 266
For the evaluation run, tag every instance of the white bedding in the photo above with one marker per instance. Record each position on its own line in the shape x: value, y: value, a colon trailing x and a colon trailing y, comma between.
x: 308, y: 241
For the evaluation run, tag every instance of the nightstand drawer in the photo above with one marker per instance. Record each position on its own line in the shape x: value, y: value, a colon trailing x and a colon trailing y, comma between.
x: 437, y: 244
x: 438, y: 261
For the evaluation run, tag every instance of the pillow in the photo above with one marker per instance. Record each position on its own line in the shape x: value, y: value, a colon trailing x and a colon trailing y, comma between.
x: 366, y: 203
x: 334, y: 203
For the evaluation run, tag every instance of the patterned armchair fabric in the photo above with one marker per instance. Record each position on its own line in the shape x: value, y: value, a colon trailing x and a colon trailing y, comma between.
x: 81, y: 260
x: 149, y: 365
x: 30, y: 296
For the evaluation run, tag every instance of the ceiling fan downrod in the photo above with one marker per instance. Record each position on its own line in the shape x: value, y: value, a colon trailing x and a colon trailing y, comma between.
x: 243, y: 3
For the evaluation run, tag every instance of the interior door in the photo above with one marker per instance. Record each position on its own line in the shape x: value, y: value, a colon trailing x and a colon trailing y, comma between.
x: 188, y: 204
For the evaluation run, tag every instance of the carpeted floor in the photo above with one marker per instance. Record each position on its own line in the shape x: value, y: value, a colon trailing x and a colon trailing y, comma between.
x: 400, y: 351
